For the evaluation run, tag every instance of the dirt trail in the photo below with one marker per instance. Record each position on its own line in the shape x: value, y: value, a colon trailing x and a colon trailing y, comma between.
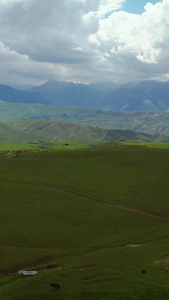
x: 135, y: 210
x: 132, y: 209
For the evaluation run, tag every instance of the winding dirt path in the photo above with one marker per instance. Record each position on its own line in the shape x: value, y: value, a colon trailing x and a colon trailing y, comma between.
x: 127, y: 208
x: 135, y: 210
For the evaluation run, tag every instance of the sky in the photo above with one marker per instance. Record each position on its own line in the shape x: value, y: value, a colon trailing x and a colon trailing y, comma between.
x: 83, y: 41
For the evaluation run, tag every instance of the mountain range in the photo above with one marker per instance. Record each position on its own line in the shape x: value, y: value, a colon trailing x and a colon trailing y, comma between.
x: 70, y: 94
x: 144, y: 96
x: 107, y: 108
x: 148, y: 96
x: 135, y: 97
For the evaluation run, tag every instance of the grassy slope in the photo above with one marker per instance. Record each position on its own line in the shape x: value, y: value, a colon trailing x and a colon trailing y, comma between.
x: 141, y: 122
x: 26, y: 111
x: 86, y: 242
x: 60, y: 131
x: 11, y: 135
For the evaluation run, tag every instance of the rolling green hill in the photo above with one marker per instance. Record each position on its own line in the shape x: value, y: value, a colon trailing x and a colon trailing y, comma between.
x: 146, y: 122
x: 35, y: 130
x: 13, y: 136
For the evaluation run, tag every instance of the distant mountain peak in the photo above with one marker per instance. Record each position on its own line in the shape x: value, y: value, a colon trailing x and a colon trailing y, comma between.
x: 9, y: 94
x: 107, y: 95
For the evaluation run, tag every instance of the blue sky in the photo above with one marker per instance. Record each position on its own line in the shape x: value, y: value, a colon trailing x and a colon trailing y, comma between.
x: 136, y: 6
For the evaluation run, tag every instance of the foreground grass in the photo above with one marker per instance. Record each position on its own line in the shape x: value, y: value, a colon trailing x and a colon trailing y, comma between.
x: 42, y: 145
x: 152, y: 145
x: 95, y: 251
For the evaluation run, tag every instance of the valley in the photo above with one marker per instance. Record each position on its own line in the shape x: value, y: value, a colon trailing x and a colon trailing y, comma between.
x: 94, y: 219
x: 84, y: 150
x: 84, y: 201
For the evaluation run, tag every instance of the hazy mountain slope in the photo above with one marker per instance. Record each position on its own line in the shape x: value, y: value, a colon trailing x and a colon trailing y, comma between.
x: 145, y: 122
x: 26, y: 111
x: 133, y: 97
x: 61, y: 131
x: 70, y: 94
x: 10, y: 94
x: 145, y: 96
x: 105, y: 87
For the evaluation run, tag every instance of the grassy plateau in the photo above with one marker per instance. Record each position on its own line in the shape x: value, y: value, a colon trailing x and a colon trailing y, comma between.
x: 93, y: 219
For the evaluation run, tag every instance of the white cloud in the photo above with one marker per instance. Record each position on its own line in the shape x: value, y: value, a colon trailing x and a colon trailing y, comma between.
x: 141, y: 36
x: 82, y: 40
x: 107, y: 6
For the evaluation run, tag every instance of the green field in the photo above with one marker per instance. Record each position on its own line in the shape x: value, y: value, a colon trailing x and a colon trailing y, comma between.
x: 95, y: 219
x: 152, y: 145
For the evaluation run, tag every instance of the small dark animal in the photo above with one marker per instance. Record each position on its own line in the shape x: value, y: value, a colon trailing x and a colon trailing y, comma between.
x: 55, y: 286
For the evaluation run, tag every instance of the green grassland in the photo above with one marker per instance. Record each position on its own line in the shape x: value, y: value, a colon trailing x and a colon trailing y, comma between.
x: 94, y: 219
x: 152, y: 145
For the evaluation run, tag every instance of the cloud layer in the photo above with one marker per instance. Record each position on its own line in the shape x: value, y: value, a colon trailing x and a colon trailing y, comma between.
x: 82, y: 40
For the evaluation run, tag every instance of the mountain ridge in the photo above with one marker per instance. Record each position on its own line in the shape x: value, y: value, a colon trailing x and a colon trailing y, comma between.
x: 133, y: 97
x: 145, y: 96
x: 62, y: 93
x: 35, y: 130
x: 9, y: 94
x: 146, y: 122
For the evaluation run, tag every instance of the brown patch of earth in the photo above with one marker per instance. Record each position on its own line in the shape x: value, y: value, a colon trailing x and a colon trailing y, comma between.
x: 163, y: 263
x: 134, y: 245
x: 31, y: 264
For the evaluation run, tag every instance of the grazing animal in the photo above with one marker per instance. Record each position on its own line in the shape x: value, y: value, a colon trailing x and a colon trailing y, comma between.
x: 55, y: 286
